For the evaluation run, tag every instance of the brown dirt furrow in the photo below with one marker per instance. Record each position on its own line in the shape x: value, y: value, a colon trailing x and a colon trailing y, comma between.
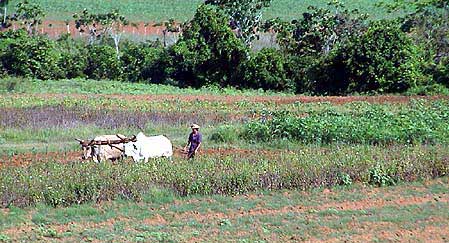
x: 366, y: 230
x: 354, y: 205
x: 25, y: 159
x: 238, y: 98
x: 390, y: 232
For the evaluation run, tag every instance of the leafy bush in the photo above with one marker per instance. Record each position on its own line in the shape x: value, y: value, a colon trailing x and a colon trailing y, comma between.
x: 102, y: 63
x: 23, y: 55
x: 381, y: 176
x: 142, y: 62
x: 441, y: 74
x: 266, y: 70
x: 73, y: 59
x: 208, y: 51
x: 383, y: 59
x: 224, y: 133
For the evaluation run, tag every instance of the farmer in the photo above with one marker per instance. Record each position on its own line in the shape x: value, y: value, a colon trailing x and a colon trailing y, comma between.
x: 195, y: 139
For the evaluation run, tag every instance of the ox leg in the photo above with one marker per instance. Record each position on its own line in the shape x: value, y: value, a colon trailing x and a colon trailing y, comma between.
x: 96, y: 159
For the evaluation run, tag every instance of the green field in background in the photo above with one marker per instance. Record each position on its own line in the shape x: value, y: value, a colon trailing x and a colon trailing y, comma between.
x: 153, y: 10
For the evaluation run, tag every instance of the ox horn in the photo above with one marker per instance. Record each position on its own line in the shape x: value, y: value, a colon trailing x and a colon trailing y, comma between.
x: 91, y: 142
x: 79, y: 140
x: 133, y: 138
x: 121, y: 138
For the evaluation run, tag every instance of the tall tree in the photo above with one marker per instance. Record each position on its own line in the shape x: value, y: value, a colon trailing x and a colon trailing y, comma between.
x: 427, y: 23
x: 29, y: 15
x: 100, y: 26
x: 4, y: 5
x: 245, y: 16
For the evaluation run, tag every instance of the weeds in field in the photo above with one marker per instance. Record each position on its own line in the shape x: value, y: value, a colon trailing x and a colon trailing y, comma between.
x: 4, y: 238
x: 58, y: 184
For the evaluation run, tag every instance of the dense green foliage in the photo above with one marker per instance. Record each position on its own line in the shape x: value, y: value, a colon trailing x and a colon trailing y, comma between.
x: 245, y: 16
x: 23, y: 55
x: 417, y: 123
x: 267, y: 69
x: 208, y: 52
x: 326, y: 51
x: 383, y: 59
x: 74, y: 183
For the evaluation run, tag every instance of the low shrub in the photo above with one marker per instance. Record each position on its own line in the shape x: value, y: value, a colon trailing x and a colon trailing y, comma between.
x: 224, y: 133
x: 266, y: 70
x: 73, y: 61
x: 103, y: 63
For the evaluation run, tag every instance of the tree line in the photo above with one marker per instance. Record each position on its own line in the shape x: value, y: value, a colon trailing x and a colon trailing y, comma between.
x: 325, y: 51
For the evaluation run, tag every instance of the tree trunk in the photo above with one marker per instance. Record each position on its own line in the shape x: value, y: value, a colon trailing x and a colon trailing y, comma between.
x: 116, y: 38
x: 4, y: 16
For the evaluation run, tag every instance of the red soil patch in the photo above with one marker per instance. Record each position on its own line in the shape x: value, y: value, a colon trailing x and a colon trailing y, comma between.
x: 56, y: 28
x: 348, y: 205
x: 25, y: 159
x: 390, y: 232
x: 156, y: 220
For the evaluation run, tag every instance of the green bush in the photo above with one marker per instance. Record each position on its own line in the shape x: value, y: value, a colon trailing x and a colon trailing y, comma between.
x: 225, y: 133
x: 103, y: 63
x: 30, y: 56
x: 327, y: 75
x: 266, y: 70
x: 208, y: 51
x: 381, y: 176
x: 73, y: 59
x: 143, y: 62
x: 383, y: 59
x: 441, y: 74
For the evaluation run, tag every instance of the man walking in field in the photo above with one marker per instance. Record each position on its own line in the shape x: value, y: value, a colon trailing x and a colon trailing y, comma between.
x: 195, y: 139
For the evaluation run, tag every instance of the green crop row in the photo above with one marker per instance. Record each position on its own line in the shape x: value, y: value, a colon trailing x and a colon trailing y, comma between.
x: 305, y: 168
x: 419, y: 122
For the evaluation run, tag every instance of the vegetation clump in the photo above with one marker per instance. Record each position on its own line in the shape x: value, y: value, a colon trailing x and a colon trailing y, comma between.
x: 324, y: 51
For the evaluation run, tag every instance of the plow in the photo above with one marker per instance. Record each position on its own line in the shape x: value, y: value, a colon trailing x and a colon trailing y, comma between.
x: 121, y: 139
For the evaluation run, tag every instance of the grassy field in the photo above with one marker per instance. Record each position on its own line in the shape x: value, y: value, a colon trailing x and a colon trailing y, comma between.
x: 413, y: 212
x: 153, y: 10
x: 240, y: 189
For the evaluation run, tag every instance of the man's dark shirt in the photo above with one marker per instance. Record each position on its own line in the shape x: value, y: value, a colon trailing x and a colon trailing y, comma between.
x: 194, y: 140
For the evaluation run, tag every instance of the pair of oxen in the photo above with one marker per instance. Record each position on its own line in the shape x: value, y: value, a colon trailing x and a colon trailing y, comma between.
x: 116, y: 147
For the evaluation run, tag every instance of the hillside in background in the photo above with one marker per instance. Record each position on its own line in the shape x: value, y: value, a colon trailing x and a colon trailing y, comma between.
x: 156, y: 10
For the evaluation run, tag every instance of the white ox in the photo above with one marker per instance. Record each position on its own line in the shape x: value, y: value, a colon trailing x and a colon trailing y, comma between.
x: 99, y: 153
x: 149, y: 147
